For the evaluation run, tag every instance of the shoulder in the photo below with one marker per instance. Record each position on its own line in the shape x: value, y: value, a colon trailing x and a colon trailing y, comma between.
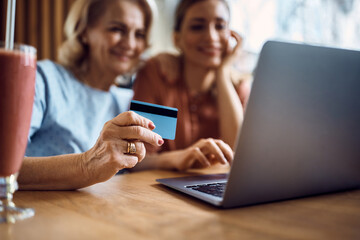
x: 169, y: 65
x: 50, y: 72
x: 54, y: 82
x: 162, y: 59
x: 242, y: 83
x: 239, y: 79
x: 165, y: 65
x: 49, y: 67
x: 48, y: 88
x: 236, y: 76
x: 54, y: 74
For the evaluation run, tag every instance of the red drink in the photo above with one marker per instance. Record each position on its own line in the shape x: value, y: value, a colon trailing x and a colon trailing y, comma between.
x: 17, y: 86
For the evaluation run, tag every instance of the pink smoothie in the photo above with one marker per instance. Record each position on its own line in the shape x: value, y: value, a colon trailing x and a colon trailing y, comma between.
x: 17, y: 84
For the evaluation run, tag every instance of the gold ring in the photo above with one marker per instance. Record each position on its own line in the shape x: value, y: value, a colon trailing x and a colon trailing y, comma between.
x: 131, y: 148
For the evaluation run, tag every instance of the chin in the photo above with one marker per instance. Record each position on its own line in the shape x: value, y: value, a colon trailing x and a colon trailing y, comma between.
x: 204, y: 61
x: 210, y: 64
x: 122, y: 68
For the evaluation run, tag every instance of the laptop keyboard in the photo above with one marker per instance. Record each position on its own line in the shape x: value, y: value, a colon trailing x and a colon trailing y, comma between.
x: 215, y: 189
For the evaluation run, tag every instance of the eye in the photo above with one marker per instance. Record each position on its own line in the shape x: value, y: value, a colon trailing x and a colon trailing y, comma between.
x: 117, y: 29
x: 196, y: 27
x: 220, y: 26
x: 140, y: 34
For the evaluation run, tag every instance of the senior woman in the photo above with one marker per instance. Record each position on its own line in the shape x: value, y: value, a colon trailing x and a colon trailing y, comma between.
x: 77, y: 136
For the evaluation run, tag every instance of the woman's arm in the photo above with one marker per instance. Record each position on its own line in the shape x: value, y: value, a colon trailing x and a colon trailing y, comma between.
x: 63, y: 172
x: 98, y: 164
x: 231, y: 111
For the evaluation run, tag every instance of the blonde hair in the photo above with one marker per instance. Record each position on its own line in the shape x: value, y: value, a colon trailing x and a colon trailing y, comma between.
x: 74, y: 53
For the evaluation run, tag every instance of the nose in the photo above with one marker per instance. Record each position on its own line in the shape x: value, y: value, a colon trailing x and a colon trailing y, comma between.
x: 129, y: 41
x: 211, y: 33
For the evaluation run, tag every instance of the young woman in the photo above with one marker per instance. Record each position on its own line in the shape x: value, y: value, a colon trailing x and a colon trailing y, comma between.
x: 201, y: 83
x: 77, y: 137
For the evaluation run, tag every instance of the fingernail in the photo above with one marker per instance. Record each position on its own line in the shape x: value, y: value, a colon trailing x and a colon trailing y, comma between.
x: 160, y: 142
x: 151, y: 126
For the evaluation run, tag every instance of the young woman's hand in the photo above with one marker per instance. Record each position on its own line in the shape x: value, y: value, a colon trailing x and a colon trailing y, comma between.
x: 202, y: 154
x: 232, y: 53
x: 111, y: 151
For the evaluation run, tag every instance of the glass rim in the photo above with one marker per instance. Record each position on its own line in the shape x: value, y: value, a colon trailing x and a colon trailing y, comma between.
x: 20, y: 47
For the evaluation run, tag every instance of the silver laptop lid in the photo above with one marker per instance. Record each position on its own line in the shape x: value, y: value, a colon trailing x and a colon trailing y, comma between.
x: 301, y: 133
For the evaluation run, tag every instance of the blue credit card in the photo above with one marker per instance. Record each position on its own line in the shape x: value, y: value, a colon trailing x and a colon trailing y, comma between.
x: 163, y: 117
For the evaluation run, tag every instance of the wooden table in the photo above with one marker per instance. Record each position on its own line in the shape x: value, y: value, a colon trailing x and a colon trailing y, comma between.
x: 134, y: 206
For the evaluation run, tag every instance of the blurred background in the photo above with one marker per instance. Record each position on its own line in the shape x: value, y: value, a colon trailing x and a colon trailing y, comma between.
x: 38, y: 23
x: 324, y: 22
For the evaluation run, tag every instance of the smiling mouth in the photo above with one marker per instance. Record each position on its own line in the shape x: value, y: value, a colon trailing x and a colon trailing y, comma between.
x: 122, y: 56
x: 211, y: 51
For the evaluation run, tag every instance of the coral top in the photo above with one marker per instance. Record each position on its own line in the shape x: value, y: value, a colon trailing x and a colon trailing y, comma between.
x: 159, y: 81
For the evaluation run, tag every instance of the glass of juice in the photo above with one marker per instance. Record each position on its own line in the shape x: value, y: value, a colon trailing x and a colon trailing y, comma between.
x: 17, y: 87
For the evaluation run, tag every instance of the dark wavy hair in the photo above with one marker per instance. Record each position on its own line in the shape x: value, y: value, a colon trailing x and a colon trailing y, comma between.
x: 182, y: 8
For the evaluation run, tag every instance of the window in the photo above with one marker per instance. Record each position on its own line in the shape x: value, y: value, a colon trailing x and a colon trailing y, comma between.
x: 324, y: 22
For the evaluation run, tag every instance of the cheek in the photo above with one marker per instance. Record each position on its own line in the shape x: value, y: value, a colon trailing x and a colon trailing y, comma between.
x: 224, y: 39
x: 189, y: 42
x: 141, y: 46
x: 102, y: 43
x: 112, y: 39
x: 93, y: 40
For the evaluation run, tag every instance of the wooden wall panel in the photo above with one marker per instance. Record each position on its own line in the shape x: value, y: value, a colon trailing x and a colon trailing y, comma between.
x: 20, y: 18
x: 2, y: 19
x: 45, y: 24
x: 38, y: 23
x: 59, y: 19
x: 33, y: 28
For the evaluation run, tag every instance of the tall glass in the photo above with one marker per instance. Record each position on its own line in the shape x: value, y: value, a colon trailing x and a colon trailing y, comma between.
x: 17, y: 87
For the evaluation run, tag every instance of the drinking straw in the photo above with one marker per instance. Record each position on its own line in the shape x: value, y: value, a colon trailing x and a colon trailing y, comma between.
x: 10, y: 24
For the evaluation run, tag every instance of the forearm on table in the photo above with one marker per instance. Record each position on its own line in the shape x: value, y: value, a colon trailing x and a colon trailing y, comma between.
x: 158, y: 161
x: 63, y: 172
x: 230, y: 108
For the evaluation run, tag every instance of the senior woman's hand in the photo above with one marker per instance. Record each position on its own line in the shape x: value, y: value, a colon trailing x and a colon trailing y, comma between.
x: 110, y: 153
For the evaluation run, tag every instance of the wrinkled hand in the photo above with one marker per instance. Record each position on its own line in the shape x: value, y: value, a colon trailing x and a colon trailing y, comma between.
x: 204, y: 153
x: 109, y: 154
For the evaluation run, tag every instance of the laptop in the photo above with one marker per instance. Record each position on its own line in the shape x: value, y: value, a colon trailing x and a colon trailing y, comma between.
x: 301, y: 130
